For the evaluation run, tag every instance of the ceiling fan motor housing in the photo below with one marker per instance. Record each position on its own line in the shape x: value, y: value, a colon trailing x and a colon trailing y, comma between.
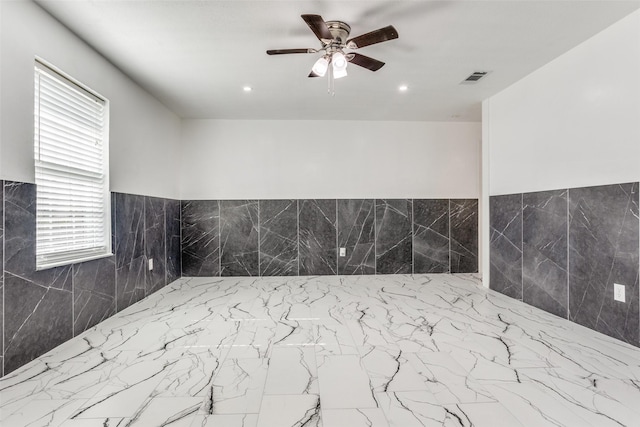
x: 340, y: 32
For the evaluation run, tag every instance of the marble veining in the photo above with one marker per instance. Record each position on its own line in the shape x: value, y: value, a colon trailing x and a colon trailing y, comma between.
x: 279, y: 253
x: 42, y: 309
x: 200, y: 238
x: 392, y: 350
x: 318, y: 243
x: 129, y: 249
x: 94, y: 293
x: 430, y: 236
x: 155, y: 243
x: 463, y: 223
x: 1, y: 277
x: 603, y: 250
x: 239, y: 237
x: 544, y: 251
x: 393, y: 236
x: 356, y: 233
x: 172, y: 238
x: 37, y: 304
x: 506, y: 244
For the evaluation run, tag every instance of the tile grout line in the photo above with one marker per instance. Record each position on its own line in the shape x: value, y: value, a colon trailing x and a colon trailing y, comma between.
x: 568, y: 293
x: 375, y: 237
x: 413, y: 218
x: 2, y: 272
x: 259, y: 253
x: 337, y: 242
x: 166, y: 263
x: 449, y: 215
x: 259, y: 267
x: 521, y: 247
x: 114, y: 242
x: 298, y: 233
x: 144, y: 246
x: 219, y: 202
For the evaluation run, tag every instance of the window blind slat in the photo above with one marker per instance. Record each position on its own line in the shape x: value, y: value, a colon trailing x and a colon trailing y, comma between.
x: 70, y: 148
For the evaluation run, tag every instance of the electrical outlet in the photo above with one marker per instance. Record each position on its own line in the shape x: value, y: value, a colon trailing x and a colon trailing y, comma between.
x: 343, y: 251
x: 150, y: 264
x: 618, y: 292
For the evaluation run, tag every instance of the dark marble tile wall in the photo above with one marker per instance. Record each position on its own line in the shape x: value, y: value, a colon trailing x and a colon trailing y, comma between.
x: 506, y: 244
x: 1, y: 276
x: 394, y: 236
x: 155, y: 243
x: 463, y: 223
x: 304, y: 237
x: 239, y: 238
x: 576, y: 243
x: 38, y: 304
x: 173, y: 237
x: 201, y: 238
x: 431, y: 236
x: 356, y: 234
x: 318, y: 237
x: 603, y: 250
x: 278, y: 237
x: 544, y: 248
x: 94, y: 293
x: 42, y: 309
x: 129, y: 250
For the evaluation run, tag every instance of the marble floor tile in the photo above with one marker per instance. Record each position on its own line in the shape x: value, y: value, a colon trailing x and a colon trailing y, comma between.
x: 371, y: 417
x: 393, y: 350
x: 290, y: 411
x: 238, y: 387
x: 411, y: 409
x: 344, y: 383
x: 230, y: 420
x: 292, y: 370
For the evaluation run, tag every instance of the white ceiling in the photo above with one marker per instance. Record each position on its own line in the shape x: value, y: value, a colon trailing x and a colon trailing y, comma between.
x: 196, y: 56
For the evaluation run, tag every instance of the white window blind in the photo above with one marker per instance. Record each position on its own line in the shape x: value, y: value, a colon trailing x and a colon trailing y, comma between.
x: 71, y: 162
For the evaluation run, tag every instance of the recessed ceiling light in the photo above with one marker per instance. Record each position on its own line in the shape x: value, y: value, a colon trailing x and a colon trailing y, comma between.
x: 247, y: 88
x: 403, y: 88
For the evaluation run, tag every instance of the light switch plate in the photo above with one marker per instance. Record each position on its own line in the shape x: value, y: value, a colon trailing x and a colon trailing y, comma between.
x: 150, y: 264
x: 343, y: 251
x: 618, y: 292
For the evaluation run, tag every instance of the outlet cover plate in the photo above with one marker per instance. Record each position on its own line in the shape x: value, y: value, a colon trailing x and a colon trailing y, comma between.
x: 618, y: 292
x: 150, y: 264
x: 343, y: 251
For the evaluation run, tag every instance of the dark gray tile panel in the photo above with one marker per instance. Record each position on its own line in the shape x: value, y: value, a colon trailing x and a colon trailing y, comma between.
x: 430, y: 236
x: 506, y: 244
x: 318, y: 237
x: 544, y: 247
x: 603, y: 250
x: 393, y: 236
x: 356, y: 233
x: 239, y: 237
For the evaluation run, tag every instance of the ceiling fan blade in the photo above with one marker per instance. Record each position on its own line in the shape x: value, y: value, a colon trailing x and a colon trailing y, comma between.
x: 376, y: 36
x: 286, y: 51
x: 318, y: 26
x: 365, y: 61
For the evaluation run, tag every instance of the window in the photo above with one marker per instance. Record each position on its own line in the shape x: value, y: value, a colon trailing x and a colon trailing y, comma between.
x: 72, y: 163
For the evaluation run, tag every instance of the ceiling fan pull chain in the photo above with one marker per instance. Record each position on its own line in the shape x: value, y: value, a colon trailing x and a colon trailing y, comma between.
x: 331, y: 84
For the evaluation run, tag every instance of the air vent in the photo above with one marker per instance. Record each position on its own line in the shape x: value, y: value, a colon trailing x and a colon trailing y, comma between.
x: 474, y: 77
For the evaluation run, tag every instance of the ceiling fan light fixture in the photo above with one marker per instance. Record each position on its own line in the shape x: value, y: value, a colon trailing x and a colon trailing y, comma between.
x: 339, y: 61
x: 340, y: 73
x: 321, y: 66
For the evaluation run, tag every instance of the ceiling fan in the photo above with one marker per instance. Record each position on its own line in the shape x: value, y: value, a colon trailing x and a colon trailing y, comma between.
x: 334, y: 38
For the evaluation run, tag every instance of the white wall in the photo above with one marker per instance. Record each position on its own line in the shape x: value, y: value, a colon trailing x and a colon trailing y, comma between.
x: 236, y: 159
x: 573, y: 123
x: 144, y: 134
